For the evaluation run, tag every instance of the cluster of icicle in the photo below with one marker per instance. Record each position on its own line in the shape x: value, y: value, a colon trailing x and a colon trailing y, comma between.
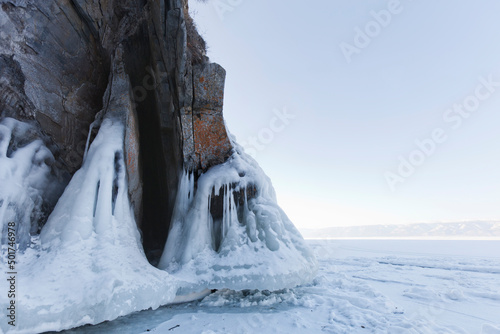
x: 253, y: 244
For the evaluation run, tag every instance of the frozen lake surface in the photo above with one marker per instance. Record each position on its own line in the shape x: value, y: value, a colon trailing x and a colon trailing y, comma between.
x: 363, y: 286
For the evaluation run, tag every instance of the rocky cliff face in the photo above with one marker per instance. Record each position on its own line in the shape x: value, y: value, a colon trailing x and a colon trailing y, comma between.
x: 116, y: 169
x: 61, y: 63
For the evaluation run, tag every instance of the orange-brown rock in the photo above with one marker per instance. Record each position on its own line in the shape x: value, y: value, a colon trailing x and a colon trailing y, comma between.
x: 212, y: 145
x: 211, y: 142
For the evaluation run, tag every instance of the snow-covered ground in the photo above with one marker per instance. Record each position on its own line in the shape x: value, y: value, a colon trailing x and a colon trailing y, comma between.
x: 363, y: 286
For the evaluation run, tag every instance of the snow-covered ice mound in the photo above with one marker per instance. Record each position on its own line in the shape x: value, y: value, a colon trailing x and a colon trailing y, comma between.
x: 26, y: 181
x: 88, y: 264
x: 248, y: 242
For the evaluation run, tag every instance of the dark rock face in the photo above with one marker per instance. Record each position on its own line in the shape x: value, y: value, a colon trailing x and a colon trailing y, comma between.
x: 13, y: 100
x: 63, y: 61
x: 63, y: 69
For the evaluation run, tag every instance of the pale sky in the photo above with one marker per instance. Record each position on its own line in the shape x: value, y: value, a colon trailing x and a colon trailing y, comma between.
x: 330, y: 96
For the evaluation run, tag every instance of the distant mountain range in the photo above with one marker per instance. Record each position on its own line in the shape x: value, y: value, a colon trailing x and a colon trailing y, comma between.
x: 471, y: 229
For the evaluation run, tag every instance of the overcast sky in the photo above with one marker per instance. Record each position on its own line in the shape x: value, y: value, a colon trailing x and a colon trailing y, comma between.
x: 365, y: 112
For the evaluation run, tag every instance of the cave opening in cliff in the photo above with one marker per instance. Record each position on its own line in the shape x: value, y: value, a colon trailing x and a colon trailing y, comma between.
x: 159, y: 162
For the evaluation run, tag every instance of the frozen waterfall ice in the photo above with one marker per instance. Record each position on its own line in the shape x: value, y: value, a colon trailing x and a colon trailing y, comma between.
x: 245, y: 242
x: 88, y: 265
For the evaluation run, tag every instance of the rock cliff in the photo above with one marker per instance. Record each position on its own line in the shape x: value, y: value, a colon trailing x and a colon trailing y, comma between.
x: 59, y: 63
x: 117, y: 174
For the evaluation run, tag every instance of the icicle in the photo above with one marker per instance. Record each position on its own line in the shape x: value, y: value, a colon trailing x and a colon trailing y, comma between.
x: 5, y: 135
x: 225, y: 215
x: 85, y: 153
x: 249, y: 217
x: 185, y: 195
x: 96, y: 122
x: 210, y: 221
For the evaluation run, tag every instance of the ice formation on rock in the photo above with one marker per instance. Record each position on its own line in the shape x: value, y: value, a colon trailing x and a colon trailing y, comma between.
x: 246, y: 242
x: 26, y: 181
x: 88, y: 264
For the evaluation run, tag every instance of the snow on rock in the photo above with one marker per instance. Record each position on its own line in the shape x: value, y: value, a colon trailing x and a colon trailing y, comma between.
x: 247, y: 242
x: 27, y: 183
x: 88, y: 265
